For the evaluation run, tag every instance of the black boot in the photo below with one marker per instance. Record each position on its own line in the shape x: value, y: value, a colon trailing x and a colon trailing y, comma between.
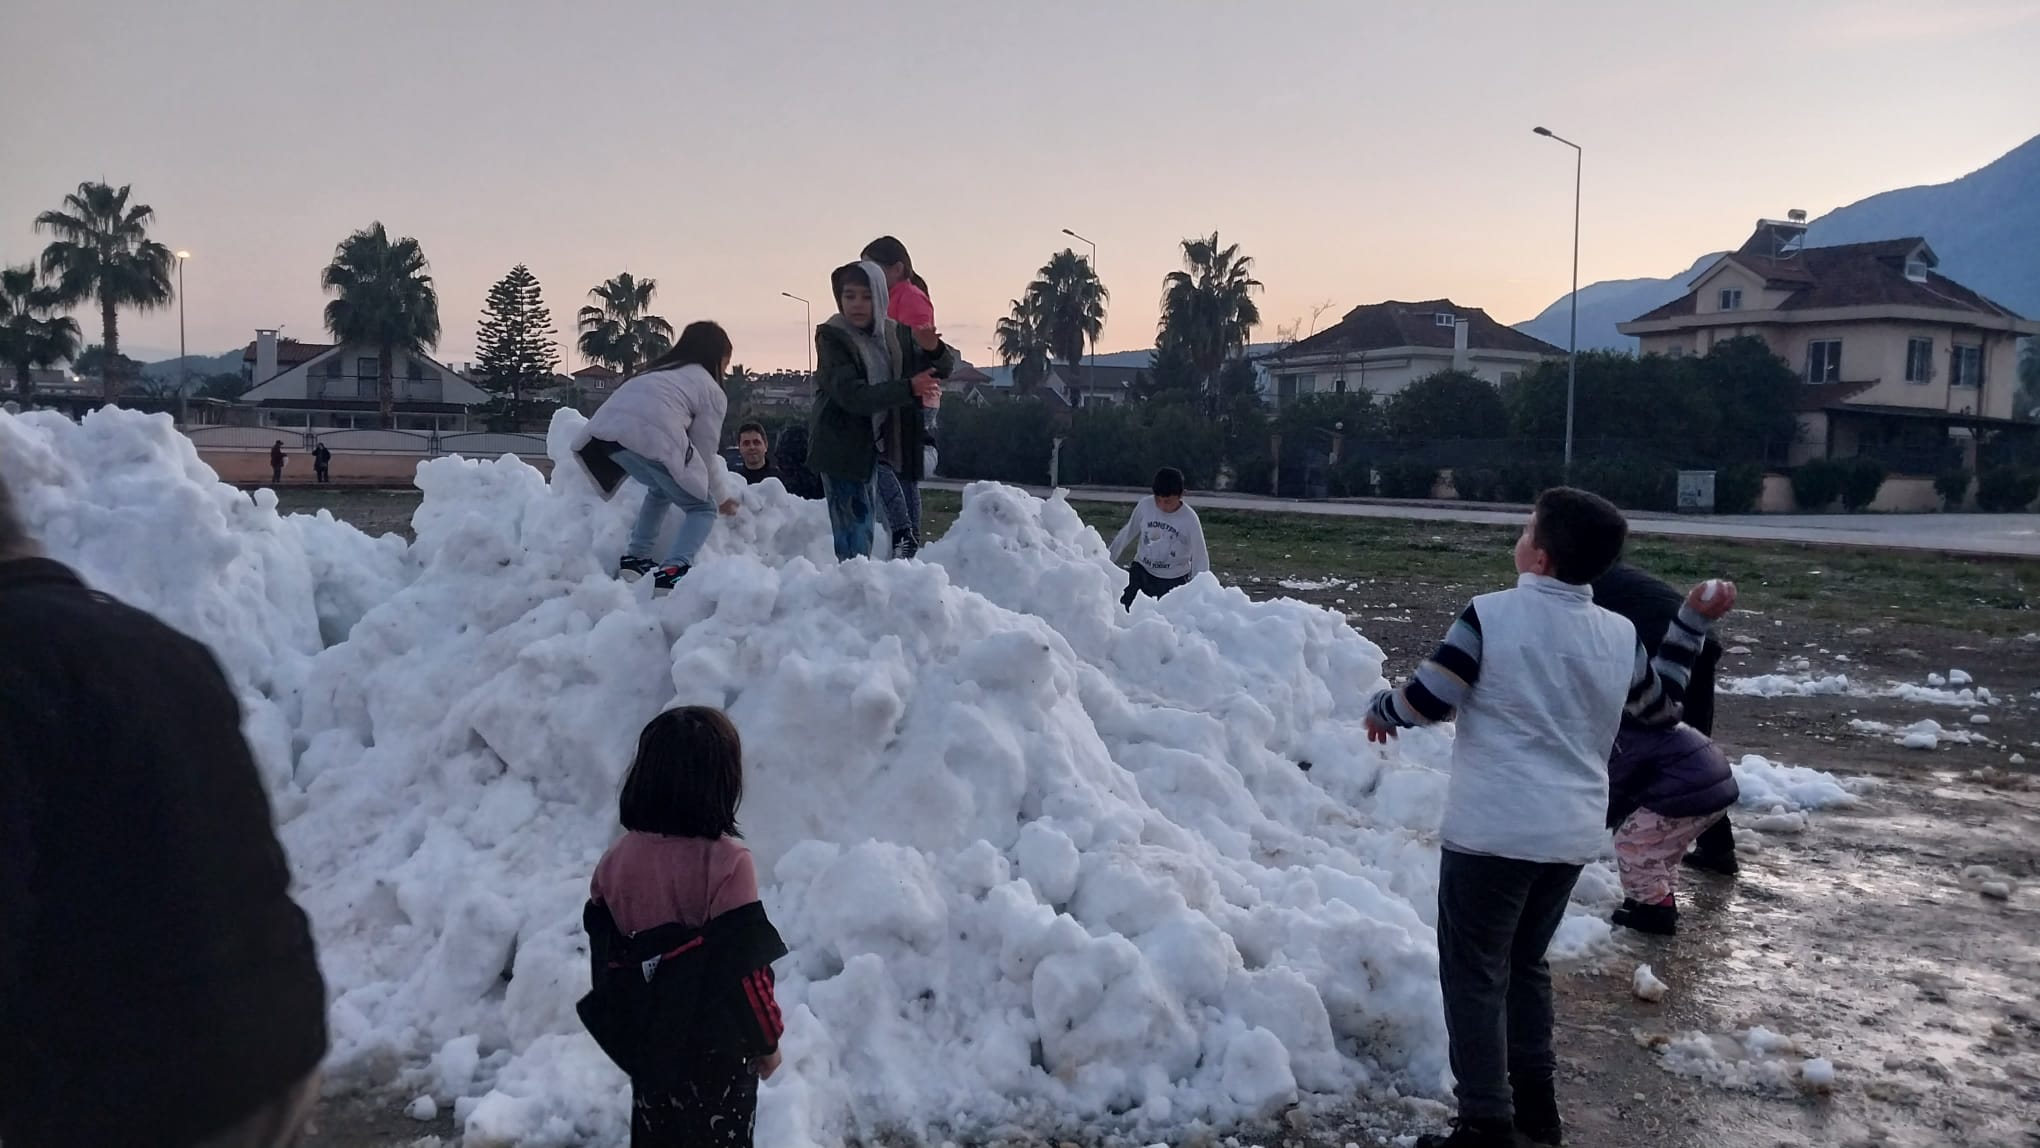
x: 1473, y: 1134
x: 1537, y: 1110
x: 1662, y: 920
x: 1722, y: 863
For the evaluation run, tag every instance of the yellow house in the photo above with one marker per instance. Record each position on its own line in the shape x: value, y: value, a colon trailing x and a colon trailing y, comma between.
x: 1900, y: 363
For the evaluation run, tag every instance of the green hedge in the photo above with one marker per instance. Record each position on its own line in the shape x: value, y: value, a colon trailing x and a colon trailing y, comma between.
x: 1405, y: 478
x: 2005, y: 489
x: 1816, y: 484
x: 1953, y: 487
x: 1738, y: 488
x: 1631, y: 483
x: 1862, y: 478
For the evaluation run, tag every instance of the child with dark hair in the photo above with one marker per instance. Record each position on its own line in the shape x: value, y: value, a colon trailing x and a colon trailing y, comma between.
x: 1171, y: 538
x: 662, y: 427
x: 907, y: 304
x: 1539, y: 678
x: 676, y: 930
x: 870, y: 375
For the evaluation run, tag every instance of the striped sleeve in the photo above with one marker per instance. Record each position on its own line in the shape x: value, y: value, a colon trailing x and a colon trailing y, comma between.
x: 759, y: 992
x: 1657, y: 688
x: 1441, y: 683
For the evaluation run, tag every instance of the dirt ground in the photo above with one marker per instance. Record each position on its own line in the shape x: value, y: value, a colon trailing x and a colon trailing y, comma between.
x: 1859, y: 933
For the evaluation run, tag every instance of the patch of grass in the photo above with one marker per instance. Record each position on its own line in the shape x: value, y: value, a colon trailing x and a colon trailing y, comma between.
x: 1833, y: 584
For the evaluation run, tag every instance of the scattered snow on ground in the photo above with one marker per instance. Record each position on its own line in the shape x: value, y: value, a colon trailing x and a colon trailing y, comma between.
x: 1775, y: 788
x: 1309, y: 584
x: 1039, y: 861
x: 1754, y: 1058
x: 1924, y: 734
x: 1801, y: 683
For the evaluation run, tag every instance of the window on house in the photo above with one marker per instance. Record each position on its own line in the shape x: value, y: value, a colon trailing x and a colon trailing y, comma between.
x: 1444, y: 318
x: 1676, y: 350
x: 1824, y: 361
x: 1339, y: 385
x: 1965, y: 367
x: 1510, y: 377
x: 333, y: 367
x: 1919, y: 360
x: 1306, y: 384
x: 365, y: 368
x: 1916, y: 270
x: 1731, y: 299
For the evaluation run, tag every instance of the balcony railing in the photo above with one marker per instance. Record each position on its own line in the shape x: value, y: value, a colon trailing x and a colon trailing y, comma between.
x: 363, y: 388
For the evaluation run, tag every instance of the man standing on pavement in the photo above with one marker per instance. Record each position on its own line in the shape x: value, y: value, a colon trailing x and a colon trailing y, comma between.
x: 157, y: 984
x: 276, y: 457
x: 754, y: 455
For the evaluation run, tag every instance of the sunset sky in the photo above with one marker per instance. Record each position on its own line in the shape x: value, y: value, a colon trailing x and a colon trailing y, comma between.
x: 732, y: 151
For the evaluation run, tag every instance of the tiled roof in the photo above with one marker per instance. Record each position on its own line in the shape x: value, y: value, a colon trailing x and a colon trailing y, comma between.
x: 289, y: 355
x: 1379, y: 326
x: 1849, y: 275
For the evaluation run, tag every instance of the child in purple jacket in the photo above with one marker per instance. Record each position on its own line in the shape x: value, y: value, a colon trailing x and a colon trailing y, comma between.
x: 1665, y: 788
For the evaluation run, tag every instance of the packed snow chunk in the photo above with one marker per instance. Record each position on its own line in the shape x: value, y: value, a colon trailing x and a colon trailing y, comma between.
x: 1988, y: 882
x: 1647, y: 987
x: 1771, y: 787
x: 1936, y: 680
x: 424, y: 1109
x: 1796, y: 822
x: 1818, y: 1073
x: 1979, y: 719
x: 1959, y: 677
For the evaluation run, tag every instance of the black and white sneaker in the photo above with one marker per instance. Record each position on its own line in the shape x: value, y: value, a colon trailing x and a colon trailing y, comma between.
x: 631, y: 568
x: 667, y: 577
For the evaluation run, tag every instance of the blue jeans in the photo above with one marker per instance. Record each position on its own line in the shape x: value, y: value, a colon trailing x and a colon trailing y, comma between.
x: 850, y: 516
x: 900, y: 499
x: 661, y: 491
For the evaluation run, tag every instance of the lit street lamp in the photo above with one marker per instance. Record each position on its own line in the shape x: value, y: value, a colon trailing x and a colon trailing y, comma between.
x: 183, y: 363
x: 809, y: 328
x: 1572, y: 343
x: 1090, y: 368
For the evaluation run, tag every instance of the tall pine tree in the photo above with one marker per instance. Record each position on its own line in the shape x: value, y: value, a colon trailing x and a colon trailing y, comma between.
x: 514, y: 347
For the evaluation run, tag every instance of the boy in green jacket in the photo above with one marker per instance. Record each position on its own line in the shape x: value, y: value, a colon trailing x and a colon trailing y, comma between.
x: 871, y: 375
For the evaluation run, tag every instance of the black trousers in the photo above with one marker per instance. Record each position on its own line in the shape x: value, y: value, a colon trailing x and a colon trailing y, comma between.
x: 1496, y: 916
x: 714, y: 1106
x: 1139, y: 581
x: 1719, y: 838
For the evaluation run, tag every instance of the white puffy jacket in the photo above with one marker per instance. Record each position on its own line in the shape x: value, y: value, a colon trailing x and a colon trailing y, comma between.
x: 673, y: 417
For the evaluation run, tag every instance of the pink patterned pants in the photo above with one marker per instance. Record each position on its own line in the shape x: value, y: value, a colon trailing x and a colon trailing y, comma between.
x: 1648, y: 847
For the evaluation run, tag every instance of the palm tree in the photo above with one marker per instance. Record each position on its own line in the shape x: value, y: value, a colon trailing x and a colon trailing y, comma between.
x: 103, y: 251
x: 738, y: 382
x: 31, y: 333
x: 1072, y: 305
x: 1208, y: 309
x: 622, y: 332
x: 1023, y: 342
x: 384, y: 299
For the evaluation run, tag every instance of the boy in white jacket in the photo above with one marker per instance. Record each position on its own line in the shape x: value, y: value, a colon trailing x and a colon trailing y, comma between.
x: 1171, y: 541
x: 663, y: 427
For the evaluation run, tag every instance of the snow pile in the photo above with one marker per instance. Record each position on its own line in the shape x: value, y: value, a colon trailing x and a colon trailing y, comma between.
x: 1755, y: 1058
x: 1039, y: 862
x: 1786, y: 686
x: 1770, y: 787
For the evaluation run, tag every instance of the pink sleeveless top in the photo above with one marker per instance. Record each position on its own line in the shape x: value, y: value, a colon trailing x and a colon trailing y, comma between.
x: 647, y: 880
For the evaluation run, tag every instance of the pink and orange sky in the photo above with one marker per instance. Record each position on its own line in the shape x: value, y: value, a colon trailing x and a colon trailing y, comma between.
x: 735, y: 150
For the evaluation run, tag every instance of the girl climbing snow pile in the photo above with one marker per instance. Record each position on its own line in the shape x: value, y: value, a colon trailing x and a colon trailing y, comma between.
x: 663, y: 427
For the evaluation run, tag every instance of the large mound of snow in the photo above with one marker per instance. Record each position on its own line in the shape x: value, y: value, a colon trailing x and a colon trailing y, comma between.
x: 1039, y: 862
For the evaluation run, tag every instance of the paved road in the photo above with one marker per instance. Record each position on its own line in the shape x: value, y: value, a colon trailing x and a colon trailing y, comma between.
x: 2003, y: 535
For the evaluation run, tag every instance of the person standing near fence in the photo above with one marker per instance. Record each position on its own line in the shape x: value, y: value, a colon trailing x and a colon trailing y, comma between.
x: 322, y: 463
x: 276, y: 457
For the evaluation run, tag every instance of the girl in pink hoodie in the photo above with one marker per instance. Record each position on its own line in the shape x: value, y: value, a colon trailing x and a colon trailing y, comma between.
x: 908, y: 305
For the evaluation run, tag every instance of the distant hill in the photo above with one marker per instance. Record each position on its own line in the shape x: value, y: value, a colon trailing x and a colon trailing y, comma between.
x: 1985, y: 227
x: 166, y: 370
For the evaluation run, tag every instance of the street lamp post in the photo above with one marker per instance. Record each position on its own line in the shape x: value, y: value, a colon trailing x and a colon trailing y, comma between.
x: 1572, y: 342
x: 809, y: 328
x: 1090, y: 368
x: 183, y: 363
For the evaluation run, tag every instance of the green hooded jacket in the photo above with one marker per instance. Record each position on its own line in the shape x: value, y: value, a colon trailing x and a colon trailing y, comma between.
x: 841, y: 440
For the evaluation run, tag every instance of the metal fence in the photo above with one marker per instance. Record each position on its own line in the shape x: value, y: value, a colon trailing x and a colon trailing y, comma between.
x: 431, y: 444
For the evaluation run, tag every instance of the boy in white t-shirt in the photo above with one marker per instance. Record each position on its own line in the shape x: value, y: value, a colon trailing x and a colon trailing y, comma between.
x: 1171, y: 550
